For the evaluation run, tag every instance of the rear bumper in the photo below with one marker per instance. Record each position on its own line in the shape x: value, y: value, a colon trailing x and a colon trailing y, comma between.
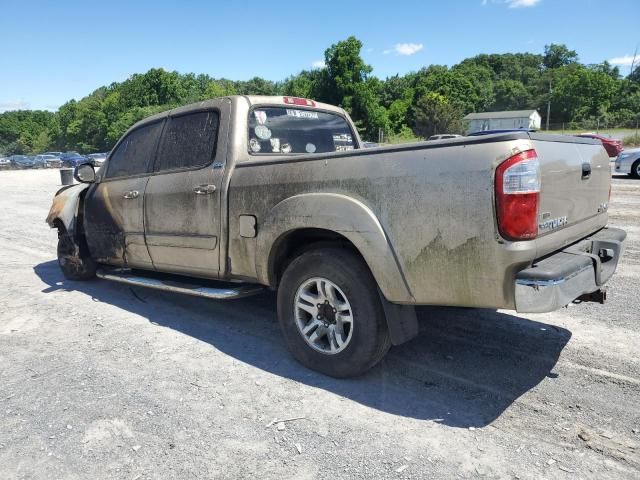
x: 580, y: 269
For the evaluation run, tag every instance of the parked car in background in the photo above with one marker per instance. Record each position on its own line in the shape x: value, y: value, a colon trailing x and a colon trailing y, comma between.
x: 23, y: 161
x: 38, y: 162
x: 611, y: 145
x: 5, y: 163
x: 97, y: 159
x: 49, y: 161
x: 443, y: 136
x: 370, y: 144
x: 73, y: 159
x: 55, y: 154
x: 629, y: 162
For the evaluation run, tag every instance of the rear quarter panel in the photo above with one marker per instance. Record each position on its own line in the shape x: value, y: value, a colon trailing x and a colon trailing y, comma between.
x: 436, y: 206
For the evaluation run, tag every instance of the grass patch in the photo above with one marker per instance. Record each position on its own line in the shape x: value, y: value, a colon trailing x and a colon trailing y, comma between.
x: 631, y: 140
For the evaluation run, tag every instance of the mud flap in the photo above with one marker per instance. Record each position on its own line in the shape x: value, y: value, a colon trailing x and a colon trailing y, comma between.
x: 402, y: 321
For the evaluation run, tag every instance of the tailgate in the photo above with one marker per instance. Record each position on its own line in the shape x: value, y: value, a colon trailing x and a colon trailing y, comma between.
x: 575, y: 183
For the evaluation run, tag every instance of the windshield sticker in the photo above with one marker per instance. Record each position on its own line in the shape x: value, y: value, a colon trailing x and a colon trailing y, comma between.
x: 310, y: 148
x: 302, y: 114
x: 262, y: 132
x: 261, y: 116
x: 254, y: 145
x: 344, y: 148
x: 285, y: 148
x: 275, y: 145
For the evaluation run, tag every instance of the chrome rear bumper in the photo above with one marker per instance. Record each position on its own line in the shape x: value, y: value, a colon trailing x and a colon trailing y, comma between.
x: 576, y: 271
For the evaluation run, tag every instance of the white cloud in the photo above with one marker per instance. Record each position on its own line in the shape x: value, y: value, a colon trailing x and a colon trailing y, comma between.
x: 405, y: 49
x: 13, y: 105
x: 522, y: 3
x: 318, y: 64
x: 626, y: 61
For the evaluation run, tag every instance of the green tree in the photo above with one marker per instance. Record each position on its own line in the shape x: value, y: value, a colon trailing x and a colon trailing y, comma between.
x: 345, y: 69
x: 434, y: 114
x: 511, y: 95
x: 256, y: 86
x: 42, y: 142
x: 558, y: 55
x: 433, y: 98
x: 584, y: 93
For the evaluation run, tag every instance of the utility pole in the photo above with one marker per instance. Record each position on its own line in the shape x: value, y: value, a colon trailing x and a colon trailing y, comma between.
x: 549, y: 105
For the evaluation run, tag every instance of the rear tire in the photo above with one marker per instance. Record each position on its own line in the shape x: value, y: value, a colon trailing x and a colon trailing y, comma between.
x: 74, y: 261
x: 635, y: 169
x: 330, y: 313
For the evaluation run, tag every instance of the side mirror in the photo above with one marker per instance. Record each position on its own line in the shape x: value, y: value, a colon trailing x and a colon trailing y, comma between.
x: 85, y: 173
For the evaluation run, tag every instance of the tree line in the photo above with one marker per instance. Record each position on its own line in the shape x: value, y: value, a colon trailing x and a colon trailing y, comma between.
x: 418, y: 104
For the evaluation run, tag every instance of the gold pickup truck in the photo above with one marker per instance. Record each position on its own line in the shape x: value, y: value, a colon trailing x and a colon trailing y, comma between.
x: 229, y: 196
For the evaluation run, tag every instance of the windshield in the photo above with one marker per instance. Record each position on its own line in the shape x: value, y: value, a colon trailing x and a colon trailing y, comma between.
x: 281, y: 130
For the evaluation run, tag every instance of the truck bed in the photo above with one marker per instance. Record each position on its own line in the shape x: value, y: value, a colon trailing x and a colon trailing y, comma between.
x: 435, y: 203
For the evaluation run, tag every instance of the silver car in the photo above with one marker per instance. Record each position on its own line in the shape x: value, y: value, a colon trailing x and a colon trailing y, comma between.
x: 629, y: 162
x: 49, y: 161
x: 97, y: 159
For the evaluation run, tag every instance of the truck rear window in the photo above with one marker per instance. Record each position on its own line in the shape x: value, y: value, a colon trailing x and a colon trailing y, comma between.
x: 286, y: 130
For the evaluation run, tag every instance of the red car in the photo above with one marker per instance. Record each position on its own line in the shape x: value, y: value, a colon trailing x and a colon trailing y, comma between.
x: 611, y: 145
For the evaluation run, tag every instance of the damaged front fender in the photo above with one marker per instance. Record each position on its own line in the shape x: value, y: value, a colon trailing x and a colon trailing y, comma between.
x: 65, y: 207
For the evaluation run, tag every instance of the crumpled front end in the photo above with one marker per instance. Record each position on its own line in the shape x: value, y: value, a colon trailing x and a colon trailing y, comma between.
x: 65, y: 206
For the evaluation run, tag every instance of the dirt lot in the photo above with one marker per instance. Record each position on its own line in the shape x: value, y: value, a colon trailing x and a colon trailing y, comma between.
x: 99, y: 380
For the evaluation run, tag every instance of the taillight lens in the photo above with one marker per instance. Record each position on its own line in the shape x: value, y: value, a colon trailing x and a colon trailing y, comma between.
x: 518, y: 195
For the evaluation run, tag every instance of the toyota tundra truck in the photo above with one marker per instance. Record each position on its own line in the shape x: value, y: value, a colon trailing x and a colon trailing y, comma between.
x: 228, y: 197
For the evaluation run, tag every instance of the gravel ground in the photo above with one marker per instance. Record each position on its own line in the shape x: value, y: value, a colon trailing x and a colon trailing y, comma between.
x: 100, y: 380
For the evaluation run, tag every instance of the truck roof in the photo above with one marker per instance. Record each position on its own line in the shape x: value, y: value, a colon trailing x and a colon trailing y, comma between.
x: 252, y: 100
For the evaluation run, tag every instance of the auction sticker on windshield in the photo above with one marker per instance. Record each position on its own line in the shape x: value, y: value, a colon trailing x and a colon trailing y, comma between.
x: 302, y: 114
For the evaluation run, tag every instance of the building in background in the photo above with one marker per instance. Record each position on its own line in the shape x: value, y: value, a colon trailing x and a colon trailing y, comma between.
x: 515, y: 119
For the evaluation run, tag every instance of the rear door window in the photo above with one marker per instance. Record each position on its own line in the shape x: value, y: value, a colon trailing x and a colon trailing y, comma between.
x: 135, y: 153
x: 188, y: 141
x: 284, y: 130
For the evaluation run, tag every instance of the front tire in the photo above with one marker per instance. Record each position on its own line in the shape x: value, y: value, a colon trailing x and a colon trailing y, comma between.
x: 330, y: 313
x: 73, y: 260
x: 635, y: 169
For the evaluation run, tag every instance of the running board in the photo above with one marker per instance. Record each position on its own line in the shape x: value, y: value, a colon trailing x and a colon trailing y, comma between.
x: 188, y: 286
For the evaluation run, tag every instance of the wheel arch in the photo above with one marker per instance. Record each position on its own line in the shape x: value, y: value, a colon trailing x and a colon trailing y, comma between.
x: 66, y: 206
x: 329, y: 218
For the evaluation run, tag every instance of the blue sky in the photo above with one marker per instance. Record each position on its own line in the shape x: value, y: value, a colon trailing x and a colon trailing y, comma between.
x: 51, y: 51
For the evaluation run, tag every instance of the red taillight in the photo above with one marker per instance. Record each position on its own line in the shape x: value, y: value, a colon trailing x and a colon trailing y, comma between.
x: 305, y: 102
x: 518, y: 195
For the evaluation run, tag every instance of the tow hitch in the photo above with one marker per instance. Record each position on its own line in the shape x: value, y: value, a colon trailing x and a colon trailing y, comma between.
x: 599, y: 296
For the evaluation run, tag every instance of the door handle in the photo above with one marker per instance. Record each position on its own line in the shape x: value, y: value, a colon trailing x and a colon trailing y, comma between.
x: 586, y: 170
x: 204, y: 189
x: 131, y: 194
